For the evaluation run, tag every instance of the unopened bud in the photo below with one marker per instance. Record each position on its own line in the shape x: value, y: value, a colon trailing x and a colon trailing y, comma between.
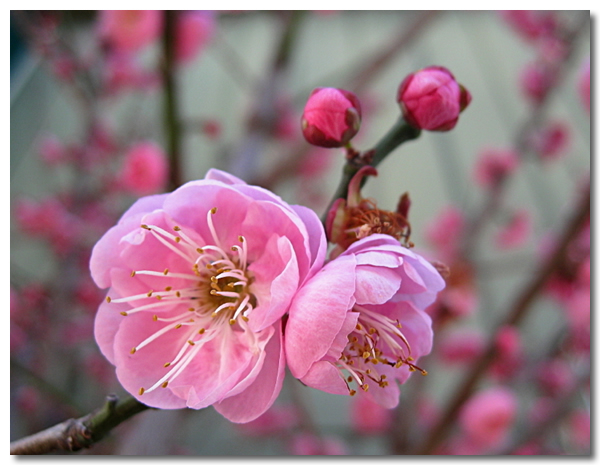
x: 432, y: 99
x: 331, y: 117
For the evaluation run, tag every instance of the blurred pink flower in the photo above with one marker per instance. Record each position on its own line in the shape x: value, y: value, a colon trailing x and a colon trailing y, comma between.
x: 130, y: 30
x: 431, y: 99
x: 516, y: 232
x: 310, y: 444
x: 277, y: 420
x: 551, y: 141
x: 461, y: 346
x: 52, y: 151
x: 488, y: 416
x: 554, y: 376
x: 196, y: 294
x: 531, y: 24
x: 509, y: 353
x: 446, y: 231
x: 583, y: 84
x: 373, y: 326
x: 145, y: 169
x: 579, y: 423
x: 331, y: 117
x: 194, y: 31
x: 367, y: 417
x: 537, y: 78
x: 494, y: 165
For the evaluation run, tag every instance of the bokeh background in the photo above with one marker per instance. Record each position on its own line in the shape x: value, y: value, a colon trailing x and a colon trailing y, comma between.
x: 240, y: 106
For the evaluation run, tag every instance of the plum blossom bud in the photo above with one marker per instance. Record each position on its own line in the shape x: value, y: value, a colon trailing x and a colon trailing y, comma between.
x: 494, y: 165
x: 537, y: 78
x: 432, y: 99
x: 145, y: 169
x: 331, y: 117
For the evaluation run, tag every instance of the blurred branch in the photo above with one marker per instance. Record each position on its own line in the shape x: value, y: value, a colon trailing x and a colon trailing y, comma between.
x: 75, y: 434
x: 514, y: 315
x: 171, y: 110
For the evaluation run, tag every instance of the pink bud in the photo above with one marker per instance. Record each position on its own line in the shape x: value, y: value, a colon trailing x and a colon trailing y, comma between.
x: 52, y: 151
x: 583, y: 84
x: 493, y: 165
x: 461, y: 346
x: 488, y: 416
x: 537, y: 78
x: 432, y: 99
x: 194, y: 31
x: 331, y: 117
x: 130, y: 30
x: 551, y: 141
x: 516, y: 231
x: 145, y: 169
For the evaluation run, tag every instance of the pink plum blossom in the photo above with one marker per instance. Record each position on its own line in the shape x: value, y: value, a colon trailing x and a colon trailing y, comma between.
x: 446, y: 231
x: 368, y: 417
x: 432, y: 99
x: 551, y: 141
x: 130, y: 30
x: 52, y: 151
x: 537, y: 78
x: 198, y: 282
x: 194, y: 31
x: 531, y: 24
x: 362, y: 314
x: 579, y: 423
x: 310, y: 444
x: 488, y: 416
x: 516, y: 231
x: 278, y: 419
x: 331, y: 117
x: 145, y: 169
x: 494, y: 165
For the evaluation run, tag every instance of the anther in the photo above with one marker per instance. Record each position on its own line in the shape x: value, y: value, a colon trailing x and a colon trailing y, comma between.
x: 201, y: 331
x: 178, y: 326
x: 178, y: 239
x: 176, y: 228
x: 168, y: 288
x: 191, y: 309
x: 133, y: 273
x: 167, y: 364
x: 133, y: 350
x: 141, y: 391
x: 149, y: 294
x: 145, y: 226
x: 108, y: 299
x: 365, y: 387
x: 165, y: 384
x: 231, y: 321
x: 352, y: 392
x: 124, y: 313
x: 155, y: 317
x: 166, y: 271
x: 192, y: 343
x: 213, y: 210
x: 178, y: 294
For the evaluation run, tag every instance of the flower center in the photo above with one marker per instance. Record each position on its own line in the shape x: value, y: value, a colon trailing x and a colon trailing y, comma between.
x: 218, y: 295
x: 376, y: 339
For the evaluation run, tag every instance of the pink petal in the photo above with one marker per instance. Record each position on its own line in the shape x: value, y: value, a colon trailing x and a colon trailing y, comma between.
x: 326, y: 377
x: 317, y: 314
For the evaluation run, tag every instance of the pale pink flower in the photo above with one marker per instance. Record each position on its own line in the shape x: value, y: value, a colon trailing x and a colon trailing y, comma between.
x: 198, y: 282
x: 432, y: 99
x: 494, y: 165
x: 52, y: 151
x: 531, y: 24
x: 362, y: 314
x: 516, y: 232
x: 583, y: 84
x: 367, y: 417
x: 509, y: 352
x: 145, y: 169
x: 130, y: 30
x: 194, y: 31
x: 554, y: 376
x: 488, y: 416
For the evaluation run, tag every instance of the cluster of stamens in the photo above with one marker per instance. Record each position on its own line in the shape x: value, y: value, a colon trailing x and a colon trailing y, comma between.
x: 218, y: 295
x: 376, y: 339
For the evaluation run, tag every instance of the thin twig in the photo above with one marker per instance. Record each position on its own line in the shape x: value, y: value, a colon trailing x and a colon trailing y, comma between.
x: 514, y: 315
x: 75, y: 434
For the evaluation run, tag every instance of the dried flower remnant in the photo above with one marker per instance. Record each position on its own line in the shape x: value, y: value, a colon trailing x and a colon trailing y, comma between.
x: 193, y: 313
x: 354, y: 218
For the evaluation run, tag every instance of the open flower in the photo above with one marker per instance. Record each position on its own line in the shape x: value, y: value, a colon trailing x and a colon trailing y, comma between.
x: 362, y: 314
x: 198, y: 282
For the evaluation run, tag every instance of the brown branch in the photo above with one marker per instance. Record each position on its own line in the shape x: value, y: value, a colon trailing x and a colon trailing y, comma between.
x: 75, y: 434
x: 515, y: 314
